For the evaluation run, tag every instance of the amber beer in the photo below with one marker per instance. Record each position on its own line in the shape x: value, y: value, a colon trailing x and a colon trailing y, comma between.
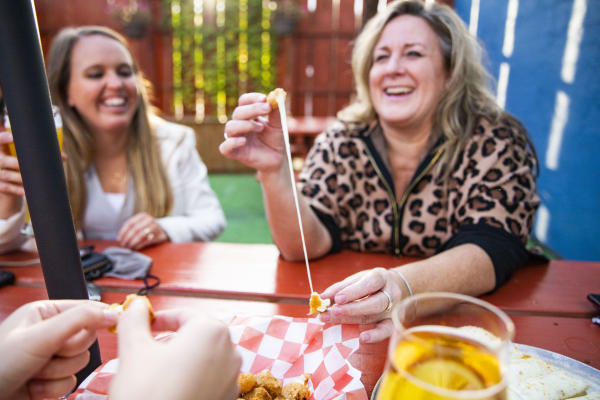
x: 427, y: 360
x: 10, y: 147
x: 450, y: 352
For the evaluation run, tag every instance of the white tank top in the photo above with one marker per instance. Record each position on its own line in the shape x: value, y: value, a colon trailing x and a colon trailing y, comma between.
x: 105, y: 213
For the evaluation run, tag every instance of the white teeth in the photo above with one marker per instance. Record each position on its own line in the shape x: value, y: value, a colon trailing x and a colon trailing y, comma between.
x: 115, y: 101
x: 398, y: 90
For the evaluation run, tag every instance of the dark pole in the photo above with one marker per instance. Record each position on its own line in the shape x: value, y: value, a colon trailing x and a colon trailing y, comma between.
x: 27, y: 99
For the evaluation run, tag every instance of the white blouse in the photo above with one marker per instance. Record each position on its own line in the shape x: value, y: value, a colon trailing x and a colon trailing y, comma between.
x: 196, y: 214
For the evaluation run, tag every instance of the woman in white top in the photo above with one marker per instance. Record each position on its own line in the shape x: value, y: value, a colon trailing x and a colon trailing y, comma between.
x: 131, y: 176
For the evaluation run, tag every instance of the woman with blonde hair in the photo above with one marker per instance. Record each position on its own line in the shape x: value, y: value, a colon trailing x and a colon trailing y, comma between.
x: 422, y: 163
x: 131, y: 176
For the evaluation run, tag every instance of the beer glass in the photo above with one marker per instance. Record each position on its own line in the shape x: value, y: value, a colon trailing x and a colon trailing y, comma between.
x: 447, y: 346
x: 10, y: 149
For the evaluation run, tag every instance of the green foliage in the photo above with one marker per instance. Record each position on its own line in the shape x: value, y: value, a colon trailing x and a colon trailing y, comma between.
x: 209, y: 53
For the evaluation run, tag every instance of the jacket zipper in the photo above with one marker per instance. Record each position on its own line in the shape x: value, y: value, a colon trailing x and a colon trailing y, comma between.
x: 397, y: 207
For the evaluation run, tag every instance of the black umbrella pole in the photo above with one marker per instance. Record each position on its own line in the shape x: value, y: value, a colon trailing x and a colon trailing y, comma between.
x: 27, y: 100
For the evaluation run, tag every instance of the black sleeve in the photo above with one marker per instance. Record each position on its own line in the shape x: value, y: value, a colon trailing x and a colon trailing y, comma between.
x: 334, y: 231
x: 506, y: 251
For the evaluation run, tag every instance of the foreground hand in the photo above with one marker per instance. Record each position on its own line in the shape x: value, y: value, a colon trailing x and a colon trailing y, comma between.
x: 141, y: 230
x: 200, y: 362
x: 359, y: 299
x: 251, y: 138
x: 45, y: 343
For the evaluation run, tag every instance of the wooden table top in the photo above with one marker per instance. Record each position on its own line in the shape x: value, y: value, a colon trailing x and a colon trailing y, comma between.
x: 256, y: 272
x: 577, y: 338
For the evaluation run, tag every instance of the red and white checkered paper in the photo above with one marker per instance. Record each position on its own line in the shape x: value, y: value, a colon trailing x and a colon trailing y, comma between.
x: 288, y: 347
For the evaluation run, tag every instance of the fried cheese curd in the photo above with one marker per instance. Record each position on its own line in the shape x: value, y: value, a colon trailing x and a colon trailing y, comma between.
x: 264, y: 386
x: 128, y: 300
x: 317, y: 304
x: 274, y: 95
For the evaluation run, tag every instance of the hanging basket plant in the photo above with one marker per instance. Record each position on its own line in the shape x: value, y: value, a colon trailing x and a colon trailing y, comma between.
x: 133, y: 15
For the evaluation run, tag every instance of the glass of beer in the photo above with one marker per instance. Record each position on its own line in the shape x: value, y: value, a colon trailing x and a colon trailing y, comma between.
x: 447, y: 346
x: 10, y: 149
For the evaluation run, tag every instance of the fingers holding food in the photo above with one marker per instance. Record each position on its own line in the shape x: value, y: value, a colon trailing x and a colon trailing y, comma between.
x: 128, y: 300
x: 275, y: 96
x: 317, y: 304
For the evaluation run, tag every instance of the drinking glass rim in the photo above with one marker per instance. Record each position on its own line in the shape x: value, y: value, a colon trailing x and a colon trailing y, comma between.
x: 510, y: 326
x: 459, y: 394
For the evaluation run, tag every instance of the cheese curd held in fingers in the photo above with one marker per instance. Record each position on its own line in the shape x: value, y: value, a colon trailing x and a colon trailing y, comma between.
x: 128, y: 300
x: 274, y: 95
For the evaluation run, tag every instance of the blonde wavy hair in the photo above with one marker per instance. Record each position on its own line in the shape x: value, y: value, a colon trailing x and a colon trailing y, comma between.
x: 152, y: 190
x: 468, y: 96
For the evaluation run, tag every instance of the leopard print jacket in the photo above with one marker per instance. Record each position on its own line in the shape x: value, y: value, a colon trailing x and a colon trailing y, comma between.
x: 347, y: 182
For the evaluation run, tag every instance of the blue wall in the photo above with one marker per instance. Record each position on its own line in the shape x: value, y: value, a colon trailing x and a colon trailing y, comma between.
x: 570, y: 189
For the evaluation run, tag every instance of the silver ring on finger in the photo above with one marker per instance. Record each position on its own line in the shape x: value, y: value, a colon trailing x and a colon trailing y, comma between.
x: 149, y: 234
x: 390, y: 301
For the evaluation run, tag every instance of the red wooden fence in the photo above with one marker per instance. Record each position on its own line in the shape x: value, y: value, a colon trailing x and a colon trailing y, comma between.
x: 313, y: 62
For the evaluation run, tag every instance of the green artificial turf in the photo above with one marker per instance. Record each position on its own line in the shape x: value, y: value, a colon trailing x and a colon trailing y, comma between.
x: 241, y: 198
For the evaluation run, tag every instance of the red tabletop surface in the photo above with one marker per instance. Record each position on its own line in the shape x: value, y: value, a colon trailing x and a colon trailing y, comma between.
x: 255, y: 271
x: 577, y: 338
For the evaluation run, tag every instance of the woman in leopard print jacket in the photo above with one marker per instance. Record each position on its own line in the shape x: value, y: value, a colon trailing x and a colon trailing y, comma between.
x: 422, y: 163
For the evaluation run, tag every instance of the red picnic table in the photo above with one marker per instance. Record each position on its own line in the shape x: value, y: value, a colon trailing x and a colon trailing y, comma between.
x: 547, y: 302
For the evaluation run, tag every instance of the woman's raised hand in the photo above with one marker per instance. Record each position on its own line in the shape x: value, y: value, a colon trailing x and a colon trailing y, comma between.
x: 253, y: 136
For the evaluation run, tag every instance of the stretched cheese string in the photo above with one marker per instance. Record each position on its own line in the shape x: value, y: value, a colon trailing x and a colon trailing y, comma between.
x: 286, y: 137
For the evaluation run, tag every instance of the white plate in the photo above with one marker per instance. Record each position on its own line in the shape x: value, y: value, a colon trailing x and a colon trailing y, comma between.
x: 583, y: 371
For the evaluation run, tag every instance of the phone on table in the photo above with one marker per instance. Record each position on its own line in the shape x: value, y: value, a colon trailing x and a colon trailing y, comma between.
x: 6, y: 278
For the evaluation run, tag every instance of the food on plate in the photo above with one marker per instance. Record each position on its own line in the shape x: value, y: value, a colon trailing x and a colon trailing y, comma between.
x: 531, y: 378
x: 295, y: 391
x: 269, y: 382
x: 264, y: 386
x: 258, y: 393
x: 274, y: 95
x: 246, y: 382
x: 589, y: 396
x: 317, y: 304
x: 128, y: 300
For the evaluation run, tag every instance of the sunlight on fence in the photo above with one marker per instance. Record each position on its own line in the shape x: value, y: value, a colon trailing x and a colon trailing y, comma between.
x: 220, y: 49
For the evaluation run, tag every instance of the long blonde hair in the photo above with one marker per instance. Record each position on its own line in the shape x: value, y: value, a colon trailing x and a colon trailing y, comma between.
x: 468, y: 96
x: 152, y: 190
